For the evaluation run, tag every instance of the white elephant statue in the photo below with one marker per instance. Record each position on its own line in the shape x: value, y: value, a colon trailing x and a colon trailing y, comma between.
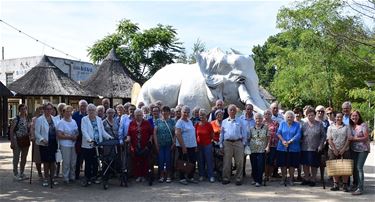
x: 216, y: 75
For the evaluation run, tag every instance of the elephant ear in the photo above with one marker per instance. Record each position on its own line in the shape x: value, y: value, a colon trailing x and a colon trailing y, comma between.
x: 210, y: 64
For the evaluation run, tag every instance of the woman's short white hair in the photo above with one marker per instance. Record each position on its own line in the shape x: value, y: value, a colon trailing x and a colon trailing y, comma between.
x: 138, y: 111
x: 185, y: 108
x: 289, y: 113
x: 109, y: 110
x: 258, y: 115
x: 91, y: 107
x: 202, y: 111
x: 100, y: 107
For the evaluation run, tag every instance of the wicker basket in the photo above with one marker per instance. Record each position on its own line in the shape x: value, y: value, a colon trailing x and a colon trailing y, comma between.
x: 340, y: 167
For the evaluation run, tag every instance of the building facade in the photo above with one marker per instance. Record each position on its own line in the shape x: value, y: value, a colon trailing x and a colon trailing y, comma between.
x: 13, y: 69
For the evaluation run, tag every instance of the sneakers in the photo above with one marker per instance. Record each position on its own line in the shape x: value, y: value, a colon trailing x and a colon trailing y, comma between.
x: 253, y: 183
x: 192, y: 180
x: 257, y: 184
x: 212, y: 179
x: 183, y: 181
x: 335, y: 187
x: 225, y: 182
x: 357, y: 192
x: 169, y: 180
x: 45, y: 183
x: 139, y: 179
x: 161, y: 180
x: 201, y: 178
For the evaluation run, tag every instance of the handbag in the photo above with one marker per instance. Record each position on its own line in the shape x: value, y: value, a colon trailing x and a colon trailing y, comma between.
x: 340, y: 167
x: 23, y: 141
x: 58, y: 155
x: 184, y: 166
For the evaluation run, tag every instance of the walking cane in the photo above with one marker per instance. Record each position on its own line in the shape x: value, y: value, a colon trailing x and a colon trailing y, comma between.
x: 32, y: 160
x: 51, y: 174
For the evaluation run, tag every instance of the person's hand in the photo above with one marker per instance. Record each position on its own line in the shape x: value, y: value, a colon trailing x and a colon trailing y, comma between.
x: 342, y: 151
x: 44, y: 142
x: 319, y: 148
x: 12, y: 145
x: 157, y: 149
x: 173, y: 146
x: 351, y: 138
x: 184, y: 150
x: 335, y: 152
x: 267, y: 150
x: 221, y: 151
x: 285, y: 143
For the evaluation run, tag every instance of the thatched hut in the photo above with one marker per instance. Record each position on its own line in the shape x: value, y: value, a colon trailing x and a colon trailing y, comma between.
x: 4, y: 94
x: 111, y: 80
x: 46, y: 82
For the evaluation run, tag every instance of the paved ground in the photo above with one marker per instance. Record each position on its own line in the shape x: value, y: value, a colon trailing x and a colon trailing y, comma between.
x: 204, y: 191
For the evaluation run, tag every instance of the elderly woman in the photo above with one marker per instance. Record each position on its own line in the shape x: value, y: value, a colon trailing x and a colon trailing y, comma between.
x: 36, y: 152
x: 288, y: 147
x: 313, y: 138
x: 20, y: 130
x: 140, y: 136
x: 186, y: 143
x: 205, y: 134
x: 195, y: 116
x: 259, y: 144
x: 45, y: 134
x: 338, y: 136
x: 120, y: 111
x: 178, y: 113
x: 360, y: 145
x: 272, y: 126
x: 321, y: 116
x: 155, y: 110
x: 218, y: 157
x: 165, y: 142
x: 111, y: 126
x: 67, y: 133
x: 146, y: 112
x: 100, y: 111
x: 92, y: 132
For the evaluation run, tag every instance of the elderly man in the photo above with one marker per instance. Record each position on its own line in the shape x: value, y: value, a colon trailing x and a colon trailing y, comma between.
x: 124, y: 123
x: 77, y: 116
x: 232, y: 141
x: 346, y: 109
x: 276, y: 116
x: 106, y: 104
x: 249, y: 122
x: 218, y: 105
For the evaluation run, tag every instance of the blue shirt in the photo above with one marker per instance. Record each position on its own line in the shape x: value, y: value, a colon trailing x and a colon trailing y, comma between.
x: 77, y: 116
x: 290, y: 133
x: 233, y: 129
x: 279, y: 118
x: 248, y: 123
x: 345, y: 119
x: 187, y: 133
x: 124, y: 127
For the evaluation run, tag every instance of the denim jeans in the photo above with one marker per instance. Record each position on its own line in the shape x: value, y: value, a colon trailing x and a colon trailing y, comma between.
x: 206, y: 159
x: 359, y: 159
x: 164, y: 158
x: 257, y: 166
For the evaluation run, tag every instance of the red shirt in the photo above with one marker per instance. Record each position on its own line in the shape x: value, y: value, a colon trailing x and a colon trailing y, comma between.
x: 146, y: 133
x: 204, y: 133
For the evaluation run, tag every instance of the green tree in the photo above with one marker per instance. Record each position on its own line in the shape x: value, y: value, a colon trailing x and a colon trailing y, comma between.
x: 317, y: 60
x: 141, y: 52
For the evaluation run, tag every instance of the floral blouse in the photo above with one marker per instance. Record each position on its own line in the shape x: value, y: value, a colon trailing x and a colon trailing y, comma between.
x: 258, y: 139
x: 272, y: 129
x: 312, y: 136
x: 360, y: 146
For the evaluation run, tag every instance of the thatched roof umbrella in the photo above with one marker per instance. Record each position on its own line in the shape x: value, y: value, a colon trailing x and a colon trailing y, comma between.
x: 111, y: 80
x: 4, y: 91
x: 45, y: 79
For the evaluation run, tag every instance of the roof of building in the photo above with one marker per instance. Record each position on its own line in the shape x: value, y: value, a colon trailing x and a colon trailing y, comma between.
x: 111, y: 79
x: 47, y: 80
x: 4, y: 91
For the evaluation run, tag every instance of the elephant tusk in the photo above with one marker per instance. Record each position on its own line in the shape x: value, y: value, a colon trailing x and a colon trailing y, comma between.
x: 246, y: 98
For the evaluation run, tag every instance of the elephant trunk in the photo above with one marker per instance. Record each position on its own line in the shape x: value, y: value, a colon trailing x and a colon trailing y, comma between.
x: 245, y: 97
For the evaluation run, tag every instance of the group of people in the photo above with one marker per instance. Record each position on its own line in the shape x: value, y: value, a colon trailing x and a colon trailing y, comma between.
x: 161, y: 135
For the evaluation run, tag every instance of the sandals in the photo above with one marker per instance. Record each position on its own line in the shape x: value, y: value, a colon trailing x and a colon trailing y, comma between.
x: 45, y: 183
x: 335, y: 187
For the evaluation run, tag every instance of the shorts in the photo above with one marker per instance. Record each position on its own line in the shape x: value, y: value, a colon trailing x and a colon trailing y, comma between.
x: 310, y: 158
x: 292, y: 159
x: 331, y: 155
x: 271, y: 156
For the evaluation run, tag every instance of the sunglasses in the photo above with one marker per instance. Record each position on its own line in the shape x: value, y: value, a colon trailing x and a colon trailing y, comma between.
x: 320, y: 111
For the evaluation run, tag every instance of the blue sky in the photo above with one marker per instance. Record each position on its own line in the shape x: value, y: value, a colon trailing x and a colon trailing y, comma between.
x: 72, y: 26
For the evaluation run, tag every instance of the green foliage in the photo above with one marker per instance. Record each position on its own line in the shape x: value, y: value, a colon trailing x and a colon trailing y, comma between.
x: 198, y: 47
x: 319, y: 56
x: 141, y: 52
